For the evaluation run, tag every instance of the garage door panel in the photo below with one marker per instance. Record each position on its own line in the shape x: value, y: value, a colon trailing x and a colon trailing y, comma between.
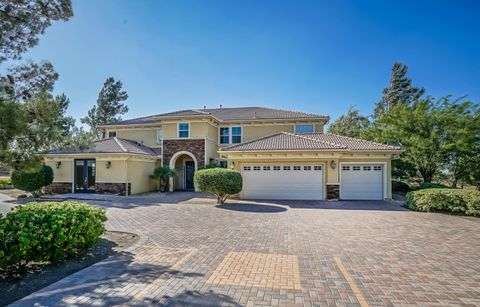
x: 362, y: 181
x: 282, y: 184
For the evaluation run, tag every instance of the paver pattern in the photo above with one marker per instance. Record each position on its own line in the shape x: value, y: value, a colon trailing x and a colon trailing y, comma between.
x: 205, y: 255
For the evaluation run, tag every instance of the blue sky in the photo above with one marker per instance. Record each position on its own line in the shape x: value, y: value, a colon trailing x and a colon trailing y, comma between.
x: 313, y: 56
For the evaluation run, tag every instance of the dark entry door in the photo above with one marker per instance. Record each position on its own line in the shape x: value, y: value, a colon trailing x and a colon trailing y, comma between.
x: 85, y: 173
x: 189, y: 170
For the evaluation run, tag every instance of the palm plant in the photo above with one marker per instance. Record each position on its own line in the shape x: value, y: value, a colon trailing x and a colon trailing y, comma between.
x: 162, y: 174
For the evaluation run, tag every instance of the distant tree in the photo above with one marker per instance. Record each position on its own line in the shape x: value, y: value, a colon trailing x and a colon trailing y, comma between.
x: 9, y: 119
x: 108, y: 108
x: 22, y: 21
x: 400, y: 90
x: 351, y: 124
x: 32, y: 78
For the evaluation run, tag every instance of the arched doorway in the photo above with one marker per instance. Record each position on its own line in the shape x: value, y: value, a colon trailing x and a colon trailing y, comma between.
x: 185, y: 164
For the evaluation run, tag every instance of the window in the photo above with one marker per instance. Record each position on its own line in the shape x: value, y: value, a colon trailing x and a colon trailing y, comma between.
x: 300, y: 129
x: 183, y: 130
x: 256, y: 168
x: 236, y: 135
x: 159, y: 135
x: 377, y: 168
x: 231, y: 135
x: 317, y: 167
x: 367, y: 168
x: 276, y: 168
x: 224, y: 135
x: 307, y: 168
x: 345, y: 168
x: 286, y: 168
x: 223, y: 163
x: 112, y: 134
x: 356, y: 168
x: 247, y: 168
x: 266, y: 168
x: 297, y: 168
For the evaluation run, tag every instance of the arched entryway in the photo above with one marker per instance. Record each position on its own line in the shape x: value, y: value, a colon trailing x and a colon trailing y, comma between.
x: 186, y: 164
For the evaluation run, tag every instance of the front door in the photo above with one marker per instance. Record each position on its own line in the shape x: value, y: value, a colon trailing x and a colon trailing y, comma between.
x: 85, y: 173
x: 189, y: 170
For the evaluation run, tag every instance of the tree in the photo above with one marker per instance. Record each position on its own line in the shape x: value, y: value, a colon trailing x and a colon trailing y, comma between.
x: 400, y: 90
x: 108, y: 108
x: 9, y: 115
x: 31, y: 78
x: 163, y: 174
x: 22, y: 21
x: 418, y: 128
x: 351, y: 124
x: 221, y: 182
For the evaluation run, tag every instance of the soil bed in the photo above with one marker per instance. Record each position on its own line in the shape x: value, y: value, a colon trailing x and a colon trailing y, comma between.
x: 40, y: 275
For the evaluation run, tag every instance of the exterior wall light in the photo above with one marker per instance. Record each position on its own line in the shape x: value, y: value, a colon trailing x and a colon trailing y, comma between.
x: 58, y: 164
x: 232, y: 166
x: 333, y: 164
x: 108, y: 164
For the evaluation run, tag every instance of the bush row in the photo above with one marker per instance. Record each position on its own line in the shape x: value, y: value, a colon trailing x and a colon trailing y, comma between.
x: 5, y: 183
x: 32, y: 180
x: 403, y: 187
x: 48, y: 231
x: 451, y: 200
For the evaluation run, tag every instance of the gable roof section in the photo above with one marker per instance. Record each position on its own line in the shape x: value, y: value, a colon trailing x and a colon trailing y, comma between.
x: 226, y: 114
x: 114, y: 146
x: 284, y: 141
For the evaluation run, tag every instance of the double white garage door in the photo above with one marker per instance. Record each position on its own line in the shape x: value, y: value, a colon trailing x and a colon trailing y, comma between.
x: 306, y: 181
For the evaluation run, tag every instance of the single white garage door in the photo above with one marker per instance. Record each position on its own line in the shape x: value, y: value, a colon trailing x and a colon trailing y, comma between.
x: 361, y: 181
x: 282, y: 181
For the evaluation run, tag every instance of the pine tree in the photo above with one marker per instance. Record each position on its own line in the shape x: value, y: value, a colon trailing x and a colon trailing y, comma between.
x: 109, y: 106
x: 400, y: 90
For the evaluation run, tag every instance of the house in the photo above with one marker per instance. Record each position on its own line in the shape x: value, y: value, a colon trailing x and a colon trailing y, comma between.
x: 281, y: 155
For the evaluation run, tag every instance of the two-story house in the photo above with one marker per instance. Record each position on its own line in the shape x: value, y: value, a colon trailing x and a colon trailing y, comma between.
x: 281, y: 155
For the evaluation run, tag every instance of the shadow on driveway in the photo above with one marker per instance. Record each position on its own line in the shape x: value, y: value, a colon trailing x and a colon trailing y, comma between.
x: 252, y: 207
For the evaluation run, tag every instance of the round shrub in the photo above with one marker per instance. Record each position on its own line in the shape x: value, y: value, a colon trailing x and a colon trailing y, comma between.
x: 450, y: 200
x: 221, y: 182
x: 32, y: 180
x: 48, y: 231
x: 400, y: 187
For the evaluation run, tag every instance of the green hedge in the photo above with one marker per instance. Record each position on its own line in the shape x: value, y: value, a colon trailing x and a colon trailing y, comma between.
x: 400, y: 186
x: 221, y: 182
x: 48, y: 231
x: 5, y: 183
x: 429, y: 185
x: 451, y: 200
x: 32, y: 180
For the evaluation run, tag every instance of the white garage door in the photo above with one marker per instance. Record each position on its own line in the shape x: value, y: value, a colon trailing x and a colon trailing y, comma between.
x: 360, y: 181
x: 282, y: 181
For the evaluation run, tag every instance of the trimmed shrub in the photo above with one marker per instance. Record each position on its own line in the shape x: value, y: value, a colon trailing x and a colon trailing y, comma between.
x: 33, y: 180
x: 48, y: 231
x: 430, y: 185
x: 451, y: 200
x: 400, y: 186
x: 5, y: 183
x: 221, y: 182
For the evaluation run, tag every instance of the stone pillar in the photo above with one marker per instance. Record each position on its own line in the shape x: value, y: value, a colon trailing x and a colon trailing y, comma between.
x: 333, y: 190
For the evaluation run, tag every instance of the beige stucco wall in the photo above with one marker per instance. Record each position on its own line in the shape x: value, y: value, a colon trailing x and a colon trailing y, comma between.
x: 139, y: 176
x: 254, y: 132
x: 211, y: 149
x: 114, y: 174
x: 64, y: 173
x: 148, y: 136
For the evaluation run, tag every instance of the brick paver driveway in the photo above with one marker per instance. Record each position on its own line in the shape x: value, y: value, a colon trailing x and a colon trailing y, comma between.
x: 289, y: 253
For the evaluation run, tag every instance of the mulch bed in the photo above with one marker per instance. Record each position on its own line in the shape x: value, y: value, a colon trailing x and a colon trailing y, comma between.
x: 40, y: 275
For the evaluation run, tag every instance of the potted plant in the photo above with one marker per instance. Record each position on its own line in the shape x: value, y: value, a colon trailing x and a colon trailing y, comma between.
x: 163, y: 174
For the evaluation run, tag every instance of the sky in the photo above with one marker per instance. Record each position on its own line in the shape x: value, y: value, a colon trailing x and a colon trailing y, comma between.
x: 312, y: 56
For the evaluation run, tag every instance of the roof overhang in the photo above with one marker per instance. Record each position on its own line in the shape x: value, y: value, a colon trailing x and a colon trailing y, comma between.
x: 99, y: 154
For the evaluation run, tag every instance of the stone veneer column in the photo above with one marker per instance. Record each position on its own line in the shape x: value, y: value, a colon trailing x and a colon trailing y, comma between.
x: 333, y: 191
x: 193, y: 146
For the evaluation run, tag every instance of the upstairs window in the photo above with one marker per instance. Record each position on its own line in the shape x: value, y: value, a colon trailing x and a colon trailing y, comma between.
x: 159, y: 135
x: 224, y: 135
x: 230, y: 135
x: 183, y: 130
x: 112, y: 134
x: 301, y: 129
x: 236, y: 135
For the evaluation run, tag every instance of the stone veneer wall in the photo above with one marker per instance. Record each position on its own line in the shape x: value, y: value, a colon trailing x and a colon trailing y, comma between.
x: 196, y: 147
x: 333, y: 191
x: 115, y: 188
x: 59, y: 188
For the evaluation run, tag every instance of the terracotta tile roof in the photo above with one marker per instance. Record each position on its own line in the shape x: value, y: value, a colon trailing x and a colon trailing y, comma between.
x: 113, y: 145
x: 227, y: 114
x: 311, y: 141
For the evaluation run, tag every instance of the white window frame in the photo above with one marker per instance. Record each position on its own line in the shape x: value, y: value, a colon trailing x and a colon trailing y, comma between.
x: 230, y: 134
x: 159, y: 140
x: 178, y: 130
x: 313, y: 126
